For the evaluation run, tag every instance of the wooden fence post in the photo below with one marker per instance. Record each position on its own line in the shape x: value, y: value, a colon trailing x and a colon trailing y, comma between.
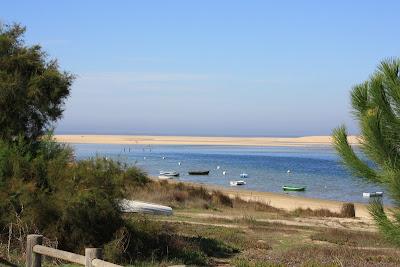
x: 33, y: 259
x: 91, y: 254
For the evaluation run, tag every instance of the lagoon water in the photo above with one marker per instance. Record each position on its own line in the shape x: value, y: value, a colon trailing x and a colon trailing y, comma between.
x: 317, y: 168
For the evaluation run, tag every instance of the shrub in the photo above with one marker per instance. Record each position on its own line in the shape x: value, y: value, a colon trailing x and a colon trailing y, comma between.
x: 219, y: 199
x: 42, y: 189
x: 180, y: 196
x: 348, y: 210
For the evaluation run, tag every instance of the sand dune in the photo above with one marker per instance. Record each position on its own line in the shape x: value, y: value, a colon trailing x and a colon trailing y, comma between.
x: 199, y: 140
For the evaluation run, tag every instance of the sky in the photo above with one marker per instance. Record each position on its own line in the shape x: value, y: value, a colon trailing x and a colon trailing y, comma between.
x: 234, y: 68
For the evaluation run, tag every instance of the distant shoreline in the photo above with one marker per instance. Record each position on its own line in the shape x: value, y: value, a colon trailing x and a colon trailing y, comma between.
x: 199, y: 140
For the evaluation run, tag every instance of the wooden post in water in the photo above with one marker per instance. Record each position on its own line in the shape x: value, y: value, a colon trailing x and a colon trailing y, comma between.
x: 91, y: 254
x: 33, y: 259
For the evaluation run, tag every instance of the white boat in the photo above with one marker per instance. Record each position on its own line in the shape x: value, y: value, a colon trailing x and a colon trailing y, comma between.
x: 373, y: 194
x: 164, y: 177
x: 236, y: 183
x: 244, y: 175
x: 169, y: 173
x: 127, y: 205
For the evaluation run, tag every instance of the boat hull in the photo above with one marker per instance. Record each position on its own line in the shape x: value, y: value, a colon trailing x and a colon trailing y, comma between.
x: 199, y: 172
x: 373, y: 194
x: 169, y: 173
x: 237, y: 183
x: 164, y: 177
x: 293, y: 188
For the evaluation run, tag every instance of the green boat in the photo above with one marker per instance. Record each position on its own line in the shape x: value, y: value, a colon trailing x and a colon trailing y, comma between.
x: 293, y: 188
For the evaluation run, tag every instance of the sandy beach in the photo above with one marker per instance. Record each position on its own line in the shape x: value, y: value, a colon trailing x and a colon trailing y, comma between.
x: 286, y: 201
x: 199, y: 140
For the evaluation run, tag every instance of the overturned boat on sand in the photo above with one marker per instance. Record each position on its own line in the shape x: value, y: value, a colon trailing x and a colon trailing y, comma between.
x: 127, y: 205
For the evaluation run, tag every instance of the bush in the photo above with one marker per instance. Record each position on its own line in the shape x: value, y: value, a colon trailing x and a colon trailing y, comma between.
x: 219, y: 199
x: 43, y: 190
x: 141, y: 239
x: 348, y: 210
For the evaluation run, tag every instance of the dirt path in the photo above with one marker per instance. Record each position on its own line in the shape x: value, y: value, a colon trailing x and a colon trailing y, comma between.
x: 359, y: 224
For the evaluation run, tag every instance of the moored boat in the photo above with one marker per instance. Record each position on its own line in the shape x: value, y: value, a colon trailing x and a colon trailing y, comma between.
x: 373, y: 194
x: 236, y: 183
x: 244, y: 175
x: 293, y: 188
x: 199, y: 172
x: 169, y: 173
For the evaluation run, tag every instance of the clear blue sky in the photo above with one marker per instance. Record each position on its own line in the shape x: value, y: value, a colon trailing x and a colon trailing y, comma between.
x: 270, y: 68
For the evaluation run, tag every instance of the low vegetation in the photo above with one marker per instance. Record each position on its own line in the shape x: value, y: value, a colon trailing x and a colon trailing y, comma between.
x: 347, y: 211
x: 184, y: 196
x: 350, y: 238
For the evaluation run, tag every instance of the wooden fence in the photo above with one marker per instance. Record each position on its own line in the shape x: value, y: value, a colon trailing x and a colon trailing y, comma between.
x: 35, y: 250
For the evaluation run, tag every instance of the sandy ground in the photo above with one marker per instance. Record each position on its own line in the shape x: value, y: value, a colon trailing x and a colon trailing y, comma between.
x: 285, y: 201
x: 199, y: 140
x: 290, y: 202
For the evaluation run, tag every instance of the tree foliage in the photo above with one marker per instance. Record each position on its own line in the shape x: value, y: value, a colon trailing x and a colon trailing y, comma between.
x: 32, y: 88
x: 74, y: 202
x: 376, y: 106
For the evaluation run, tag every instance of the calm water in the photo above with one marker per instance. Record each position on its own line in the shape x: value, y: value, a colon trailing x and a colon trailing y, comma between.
x: 318, y: 168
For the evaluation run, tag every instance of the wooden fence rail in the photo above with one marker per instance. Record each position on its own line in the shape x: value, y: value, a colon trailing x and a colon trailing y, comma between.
x: 35, y: 250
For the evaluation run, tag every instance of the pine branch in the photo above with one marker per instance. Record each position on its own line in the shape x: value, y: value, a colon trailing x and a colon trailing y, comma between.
x: 350, y: 159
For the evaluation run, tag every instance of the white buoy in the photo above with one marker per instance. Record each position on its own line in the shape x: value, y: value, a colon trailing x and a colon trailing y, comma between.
x: 179, y: 163
x: 163, y: 157
x: 218, y: 167
x: 288, y: 171
x: 144, y: 157
x: 224, y: 173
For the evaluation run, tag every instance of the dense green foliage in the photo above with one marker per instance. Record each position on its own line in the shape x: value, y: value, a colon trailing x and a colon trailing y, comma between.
x: 32, y: 88
x: 74, y: 202
x: 376, y: 105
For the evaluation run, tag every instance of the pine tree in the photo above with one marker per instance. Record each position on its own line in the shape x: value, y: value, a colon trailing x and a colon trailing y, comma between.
x: 376, y: 106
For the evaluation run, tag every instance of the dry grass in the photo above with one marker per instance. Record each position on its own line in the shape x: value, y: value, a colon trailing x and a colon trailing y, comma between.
x: 239, y: 203
x: 179, y: 195
x: 273, y: 244
x: 337, y: 256
x: 318, y: 256
x: 351, y: 238
x: 183, y: 196
x: 347, y: 211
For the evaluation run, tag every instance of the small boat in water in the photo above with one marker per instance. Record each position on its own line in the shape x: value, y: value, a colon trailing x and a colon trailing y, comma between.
x: 169, y: 173
x: 373, y: 194
x: 236, y: 183
x: 244, y: 175
x: 199, y: 172
x: 293, y: 188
